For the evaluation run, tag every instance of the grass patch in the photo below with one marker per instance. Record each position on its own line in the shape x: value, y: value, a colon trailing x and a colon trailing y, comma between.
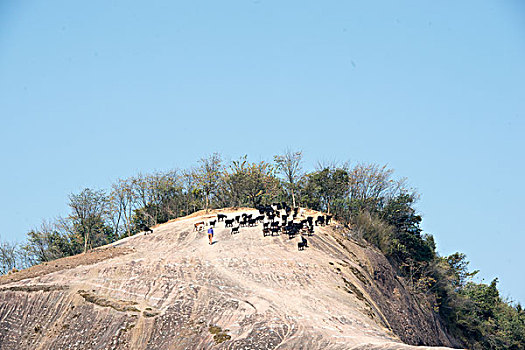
x: 218, y: 334
x: 149, y: 313
x: 354, y: 290
x: 35, y: 288
x: 119, y: 305
x: 359, y: 275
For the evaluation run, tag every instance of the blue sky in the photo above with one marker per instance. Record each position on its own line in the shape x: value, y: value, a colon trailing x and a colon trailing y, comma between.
x: 99, y: 90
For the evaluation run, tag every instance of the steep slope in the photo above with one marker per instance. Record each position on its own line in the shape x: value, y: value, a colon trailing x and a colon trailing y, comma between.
x: 172, y: 290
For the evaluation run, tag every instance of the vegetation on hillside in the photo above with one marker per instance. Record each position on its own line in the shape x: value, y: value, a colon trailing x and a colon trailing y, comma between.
x: 380, y: 208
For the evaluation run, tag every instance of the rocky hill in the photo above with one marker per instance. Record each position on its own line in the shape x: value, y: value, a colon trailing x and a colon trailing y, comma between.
x: 172, y: 290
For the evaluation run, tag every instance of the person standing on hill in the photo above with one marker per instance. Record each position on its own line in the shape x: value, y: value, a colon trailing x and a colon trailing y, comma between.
x: 210, y: 235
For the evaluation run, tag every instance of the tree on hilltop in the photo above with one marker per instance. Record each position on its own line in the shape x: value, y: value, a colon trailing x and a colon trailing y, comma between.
x: 289, y: 165
x: 208, y: 175
x: 89, y: 210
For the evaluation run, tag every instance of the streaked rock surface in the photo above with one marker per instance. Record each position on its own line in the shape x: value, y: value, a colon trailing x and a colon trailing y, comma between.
x: 172, y: 290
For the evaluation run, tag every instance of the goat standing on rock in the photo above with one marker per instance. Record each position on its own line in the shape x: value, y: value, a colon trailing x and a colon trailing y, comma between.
x: 303, y: 244
x: 146, y: 229
x: 198, y: 226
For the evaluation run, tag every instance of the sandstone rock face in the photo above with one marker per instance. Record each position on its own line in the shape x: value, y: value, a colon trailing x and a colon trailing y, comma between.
x: 172, y: 290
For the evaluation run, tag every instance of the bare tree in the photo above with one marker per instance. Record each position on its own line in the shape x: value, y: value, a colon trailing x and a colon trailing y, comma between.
x: 170, y: 194
x: 190, y: 190
x: 370, y: 182
x: 117, y: 205
x: 373, y: 186
x: 123, y: 201
x: 289, y: 166
x: 8, y: 256
x: 209, y: 176
x: 164, y: 192
x: 143, y: 195
x: 140, y: 186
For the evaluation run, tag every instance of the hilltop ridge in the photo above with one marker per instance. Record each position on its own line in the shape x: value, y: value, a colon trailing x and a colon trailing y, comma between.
x: 172, y: 290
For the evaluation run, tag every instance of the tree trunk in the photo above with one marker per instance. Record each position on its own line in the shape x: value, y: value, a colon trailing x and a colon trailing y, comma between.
x: 118, y: 222
x: 127, y: 218
x: 86, y: 238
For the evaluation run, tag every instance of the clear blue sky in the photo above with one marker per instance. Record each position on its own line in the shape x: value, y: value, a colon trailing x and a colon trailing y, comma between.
x: 96, y: 90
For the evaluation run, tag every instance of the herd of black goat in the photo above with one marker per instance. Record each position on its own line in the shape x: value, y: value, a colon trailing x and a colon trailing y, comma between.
x: 275, y: 219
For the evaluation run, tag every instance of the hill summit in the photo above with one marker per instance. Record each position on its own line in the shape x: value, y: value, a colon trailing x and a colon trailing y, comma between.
x: 171, y: 289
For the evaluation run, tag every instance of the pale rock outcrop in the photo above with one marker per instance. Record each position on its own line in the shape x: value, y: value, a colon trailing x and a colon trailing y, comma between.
x: 172, y: 290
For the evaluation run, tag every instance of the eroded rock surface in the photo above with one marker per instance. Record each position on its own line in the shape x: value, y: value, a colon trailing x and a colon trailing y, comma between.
x: 172, y: 290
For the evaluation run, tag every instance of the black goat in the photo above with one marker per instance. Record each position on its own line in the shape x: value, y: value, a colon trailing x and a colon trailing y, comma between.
x: 310, y: 230
x: 235, y: 230
x: 328, y: 218
x: 229, y: 223
x: 303, y: 244
x: 146, y: 229
x: 212, y: 223
x: 298, y: 225
x: 269, y: 211
x: 319, y: 220
x: 310, y: 220
x: 291, y: 230
x: 221, y: 217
